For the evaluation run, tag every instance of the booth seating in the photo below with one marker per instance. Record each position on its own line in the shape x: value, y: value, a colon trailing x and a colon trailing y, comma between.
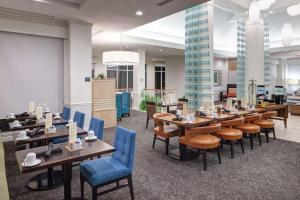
x: 123, y: 104
x: 119, y: 105
x: 201, y: 138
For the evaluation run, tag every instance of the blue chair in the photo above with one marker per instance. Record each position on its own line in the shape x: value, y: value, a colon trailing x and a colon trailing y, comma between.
x: 97, y: 125
x: 66, y: 113
x: 107, y: 170
x: 119, y: 106
x: 79, y: 118
x: 126, y: 99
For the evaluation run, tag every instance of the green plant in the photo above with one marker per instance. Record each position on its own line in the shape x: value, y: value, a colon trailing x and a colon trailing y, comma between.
x: 100, y: 76
x: 147, y: 98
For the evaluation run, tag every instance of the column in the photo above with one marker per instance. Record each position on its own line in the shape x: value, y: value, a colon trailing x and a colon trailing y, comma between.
x: 138, y: 81
x: 282, y: 72
x: 77, y: 71
x: 254, y: 38
x: 199, y: 55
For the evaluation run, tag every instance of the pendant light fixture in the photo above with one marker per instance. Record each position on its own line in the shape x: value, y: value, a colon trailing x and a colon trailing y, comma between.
x: 121, y: 57
x: 287, y: 34
x: 294, y: 10
x: 254, y: 12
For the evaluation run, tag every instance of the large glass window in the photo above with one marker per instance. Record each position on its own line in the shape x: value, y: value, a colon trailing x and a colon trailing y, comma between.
x: 123, y: 75
x: 160, y: 78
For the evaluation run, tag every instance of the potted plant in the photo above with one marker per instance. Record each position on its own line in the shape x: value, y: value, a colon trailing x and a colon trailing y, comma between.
x: 100, y: 76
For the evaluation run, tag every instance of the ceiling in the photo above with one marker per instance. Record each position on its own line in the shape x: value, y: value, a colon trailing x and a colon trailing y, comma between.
x: 107, y: 15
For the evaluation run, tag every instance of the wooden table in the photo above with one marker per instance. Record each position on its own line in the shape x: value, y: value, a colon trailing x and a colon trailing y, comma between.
x: 52, y: 178
x: 60, y: 121
x: 177, y: 153
x: 91, y: 149
x: 282, y: 111
x: 220, y: 117
x: 60, y: 132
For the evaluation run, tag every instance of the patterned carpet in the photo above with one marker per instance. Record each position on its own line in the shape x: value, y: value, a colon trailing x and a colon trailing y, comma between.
x: 271, y: 171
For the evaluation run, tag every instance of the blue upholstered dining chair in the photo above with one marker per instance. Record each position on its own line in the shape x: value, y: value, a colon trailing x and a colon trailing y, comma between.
x: 97, y: 125
x: 79, y: 118
x: 126, y: 101
x: 111, y: 169
x: 66, y: 113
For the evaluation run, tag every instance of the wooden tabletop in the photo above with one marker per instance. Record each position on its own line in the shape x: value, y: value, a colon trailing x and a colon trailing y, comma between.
x: 90, y: 149
x: 60, y: 121
x: 60, y: 132
x: 242, y: 112
x: 220, y: 117
x: 196, y: 122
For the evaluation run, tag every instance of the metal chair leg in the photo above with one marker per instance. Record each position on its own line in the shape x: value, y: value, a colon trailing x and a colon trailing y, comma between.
x: 242, y: 145
x: 204, y: 160
x: 219, y: 156
x: 251, y: 141
x: 167, y: 146
x: 231, y: 149
x: 267, y: 134
x: 81, y: 187
x: 130, y: 187
x: 154, y: 140
x: 147, y: 122
x: 259, y: 138
x: 94, y: 193
x: 274, y: 133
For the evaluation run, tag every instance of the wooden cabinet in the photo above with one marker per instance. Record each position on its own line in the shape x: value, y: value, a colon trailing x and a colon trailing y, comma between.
x: 104, y: 101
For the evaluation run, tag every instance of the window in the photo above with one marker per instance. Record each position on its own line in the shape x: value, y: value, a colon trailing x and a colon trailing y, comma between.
x: 160, y: 78
x: 123, y: 75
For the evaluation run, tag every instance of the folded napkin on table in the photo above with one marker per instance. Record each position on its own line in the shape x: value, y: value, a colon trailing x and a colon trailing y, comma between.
x: 49, y: 152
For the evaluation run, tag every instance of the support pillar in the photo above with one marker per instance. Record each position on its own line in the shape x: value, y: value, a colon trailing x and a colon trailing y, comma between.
x: 138, y: 81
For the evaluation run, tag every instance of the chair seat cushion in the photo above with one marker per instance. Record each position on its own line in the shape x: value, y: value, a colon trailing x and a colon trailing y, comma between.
x: 169, y: 131
x: 249, y: 128
x: 230, y: 134
x: 265, y: 123
x: 103, y: 170
x: 204, y: 142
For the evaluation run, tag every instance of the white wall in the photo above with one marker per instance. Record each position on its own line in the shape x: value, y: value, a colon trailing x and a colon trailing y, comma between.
x: 80, y: 61
x: 222, y: 65
x: 293, y: 69
x: 31, y: 70
x: 175, y: 74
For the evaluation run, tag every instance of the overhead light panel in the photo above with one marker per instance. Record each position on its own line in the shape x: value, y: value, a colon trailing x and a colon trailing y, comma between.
x: 42, y: 1
x: 294, y: 10
x: 139, y: 13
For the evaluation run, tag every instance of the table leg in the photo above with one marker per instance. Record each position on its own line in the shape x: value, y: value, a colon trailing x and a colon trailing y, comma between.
x: 67, y: 180
x: 285, y: 122
x: 46, y: 180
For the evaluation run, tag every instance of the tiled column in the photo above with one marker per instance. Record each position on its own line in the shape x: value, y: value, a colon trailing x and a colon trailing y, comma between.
x: 267, y: 61
x: 199, y: 55
x: 241, y: 62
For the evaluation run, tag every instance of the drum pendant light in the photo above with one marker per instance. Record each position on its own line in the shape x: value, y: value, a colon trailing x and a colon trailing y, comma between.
x: 121, y: 57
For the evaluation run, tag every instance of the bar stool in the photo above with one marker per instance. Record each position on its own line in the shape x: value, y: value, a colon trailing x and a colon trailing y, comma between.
x: 164, y: 132
x: 230, y: 133
x: 200, y: 138
x: 251, y: 129
x: 266, y: 123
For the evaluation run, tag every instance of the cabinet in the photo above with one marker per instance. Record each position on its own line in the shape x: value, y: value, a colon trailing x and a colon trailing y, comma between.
x: 104, y: 101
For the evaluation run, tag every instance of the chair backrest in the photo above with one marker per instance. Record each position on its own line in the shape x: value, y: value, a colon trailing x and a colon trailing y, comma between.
x: 79, y: 118
x: 252, y: 118
x: 232, y: 123
x: 125, y: 147
x: 269, y: 114
x: 66, y: 113
x: 158, y: 122
x: 212, y: 128
x: 97, y: 125
x: 150, y: 109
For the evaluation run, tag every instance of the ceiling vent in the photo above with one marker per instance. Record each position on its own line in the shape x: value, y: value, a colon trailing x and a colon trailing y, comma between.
x: 164, y: 2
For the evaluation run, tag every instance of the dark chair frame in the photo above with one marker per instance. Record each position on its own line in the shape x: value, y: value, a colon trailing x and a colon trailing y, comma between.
x: 95, y: 194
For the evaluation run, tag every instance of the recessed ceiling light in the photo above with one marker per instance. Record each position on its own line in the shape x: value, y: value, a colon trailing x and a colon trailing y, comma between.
x: 160, y: 50
x: 139, y: 13
x: 42, y: 1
